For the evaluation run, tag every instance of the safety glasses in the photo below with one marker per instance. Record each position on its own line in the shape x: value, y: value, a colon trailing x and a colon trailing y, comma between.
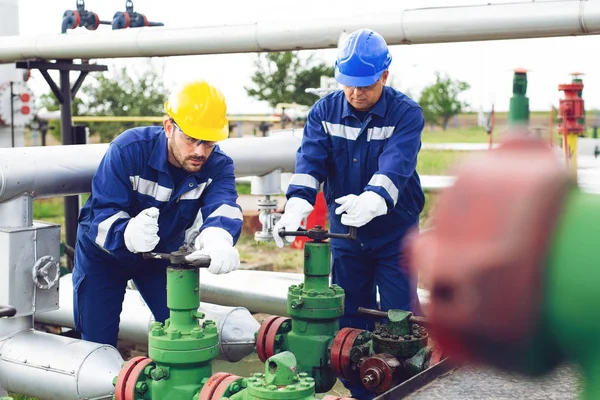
x: 363, y: 88
x: 191, y: 141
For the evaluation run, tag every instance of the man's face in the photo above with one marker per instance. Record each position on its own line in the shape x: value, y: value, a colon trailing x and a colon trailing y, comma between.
x: 184, y: 151
x: 362, y: 98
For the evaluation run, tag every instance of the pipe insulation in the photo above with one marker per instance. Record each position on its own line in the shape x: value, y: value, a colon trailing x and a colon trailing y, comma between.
x: 53, y: 367
x: 236, y: 325
x: 403, y: 22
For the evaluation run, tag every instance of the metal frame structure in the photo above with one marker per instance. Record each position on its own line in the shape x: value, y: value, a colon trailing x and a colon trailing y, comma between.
x: 65, y: 95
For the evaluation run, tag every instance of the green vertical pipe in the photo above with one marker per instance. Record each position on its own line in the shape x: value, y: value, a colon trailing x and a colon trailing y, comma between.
x: 182, y: 349
x: 518, y: 113
x: 317, y: 266
x: 183, y: 298
x: 315, y: 308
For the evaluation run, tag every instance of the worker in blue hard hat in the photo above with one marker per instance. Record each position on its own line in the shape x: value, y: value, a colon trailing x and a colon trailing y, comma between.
x: 362, y: 142
x: 156, y: 189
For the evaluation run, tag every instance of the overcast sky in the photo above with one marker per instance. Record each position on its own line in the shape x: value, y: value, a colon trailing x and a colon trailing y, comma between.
x: 486, y: 66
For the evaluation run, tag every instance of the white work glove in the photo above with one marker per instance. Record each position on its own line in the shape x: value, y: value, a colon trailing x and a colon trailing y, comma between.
x: 360, y: 209
x: 295, y: 211
x: 141, y: 233
x: 217, y: 243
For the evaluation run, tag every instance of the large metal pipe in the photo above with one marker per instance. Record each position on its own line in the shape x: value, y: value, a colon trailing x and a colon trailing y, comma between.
x: 398, y: 22
x: 53, y: 367
x: 53, y: 171
x: 235, y: 324
x: 258, y: 291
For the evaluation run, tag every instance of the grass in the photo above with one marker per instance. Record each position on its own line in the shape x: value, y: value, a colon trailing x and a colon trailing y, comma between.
x: 467, y: 135
x: 243, y: 188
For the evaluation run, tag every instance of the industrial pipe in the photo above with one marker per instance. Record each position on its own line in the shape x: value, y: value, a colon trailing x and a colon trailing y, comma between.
x: 54, y: 171
x: 236, y: 325
x: 53, y: 367
x: 399, y: 23
x: 258, y: 291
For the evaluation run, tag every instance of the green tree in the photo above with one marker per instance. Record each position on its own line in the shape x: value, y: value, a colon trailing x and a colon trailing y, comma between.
x: 440, y: 101
x: 283, y: 78
x: 116, y: 94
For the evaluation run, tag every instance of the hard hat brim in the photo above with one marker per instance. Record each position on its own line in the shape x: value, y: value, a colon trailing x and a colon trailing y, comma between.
x: 207, y: 134
x: 348, y: 80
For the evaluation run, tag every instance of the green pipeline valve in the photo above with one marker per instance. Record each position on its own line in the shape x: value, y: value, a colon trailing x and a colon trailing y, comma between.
x: 315, y: 307
x: 280, y: 381
x: 181, y: 350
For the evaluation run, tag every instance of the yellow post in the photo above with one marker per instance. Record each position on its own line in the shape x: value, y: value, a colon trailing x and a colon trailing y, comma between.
x: 571, y: 152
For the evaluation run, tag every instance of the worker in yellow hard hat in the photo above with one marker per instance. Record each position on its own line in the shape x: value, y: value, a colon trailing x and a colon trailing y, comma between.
x: 156, y: 189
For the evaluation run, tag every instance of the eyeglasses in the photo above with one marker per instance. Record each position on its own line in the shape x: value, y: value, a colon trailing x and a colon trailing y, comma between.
x: 190, y: 140
x: 363, y: 88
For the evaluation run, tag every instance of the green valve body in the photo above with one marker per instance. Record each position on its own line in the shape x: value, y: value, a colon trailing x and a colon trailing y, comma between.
x: 518, y: 113
x: 399, y: 337
x: 281, y: 381
x: 315, y: 308
x: 180, y: 351
x: 182, y: 348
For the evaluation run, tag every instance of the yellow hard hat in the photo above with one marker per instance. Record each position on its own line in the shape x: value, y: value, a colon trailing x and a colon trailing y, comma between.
x: 199, y: 109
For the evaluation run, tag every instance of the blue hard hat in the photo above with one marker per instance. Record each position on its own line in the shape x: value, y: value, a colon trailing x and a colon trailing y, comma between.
x: 362, y: 58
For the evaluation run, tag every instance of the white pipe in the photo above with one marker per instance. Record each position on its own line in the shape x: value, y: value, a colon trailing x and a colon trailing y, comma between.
x: 236, y: 325
x: 53, y: 171
x: 398, y: 22
x: 258, y: 291
x: 53, y: 367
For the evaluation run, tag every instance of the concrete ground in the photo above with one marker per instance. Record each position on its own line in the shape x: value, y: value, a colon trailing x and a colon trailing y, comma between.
x: 479, y: 383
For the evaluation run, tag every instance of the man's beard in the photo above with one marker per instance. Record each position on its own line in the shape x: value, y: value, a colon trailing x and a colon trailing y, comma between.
x: 183, y: 163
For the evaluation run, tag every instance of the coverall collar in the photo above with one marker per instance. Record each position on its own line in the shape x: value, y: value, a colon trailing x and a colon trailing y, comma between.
x: 158, y: 158
x: 378, y: 109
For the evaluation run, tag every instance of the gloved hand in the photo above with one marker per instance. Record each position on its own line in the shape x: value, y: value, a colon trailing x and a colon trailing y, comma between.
x: 360, y: 209
x: 217, y: 243
x: 141, y: 232
x: 295, y: 211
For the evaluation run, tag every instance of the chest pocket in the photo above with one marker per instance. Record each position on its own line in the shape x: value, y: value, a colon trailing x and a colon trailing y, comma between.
x: 377, y: 139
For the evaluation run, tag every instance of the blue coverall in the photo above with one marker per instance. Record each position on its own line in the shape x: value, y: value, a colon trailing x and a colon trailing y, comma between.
x: 353, y: 152
x: 133, y: 176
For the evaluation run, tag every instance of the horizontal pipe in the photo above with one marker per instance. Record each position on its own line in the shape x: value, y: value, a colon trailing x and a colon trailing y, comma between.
x: 236, y: 325
x: 53, y: 367
x: 54, y: 171
x: 398, y: 22
x: 258, y: 291
x: 55, y: 116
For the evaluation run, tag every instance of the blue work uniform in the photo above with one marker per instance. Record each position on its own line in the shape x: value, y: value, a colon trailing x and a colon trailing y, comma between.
x: 352, y: 152
x: 134, y: 175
